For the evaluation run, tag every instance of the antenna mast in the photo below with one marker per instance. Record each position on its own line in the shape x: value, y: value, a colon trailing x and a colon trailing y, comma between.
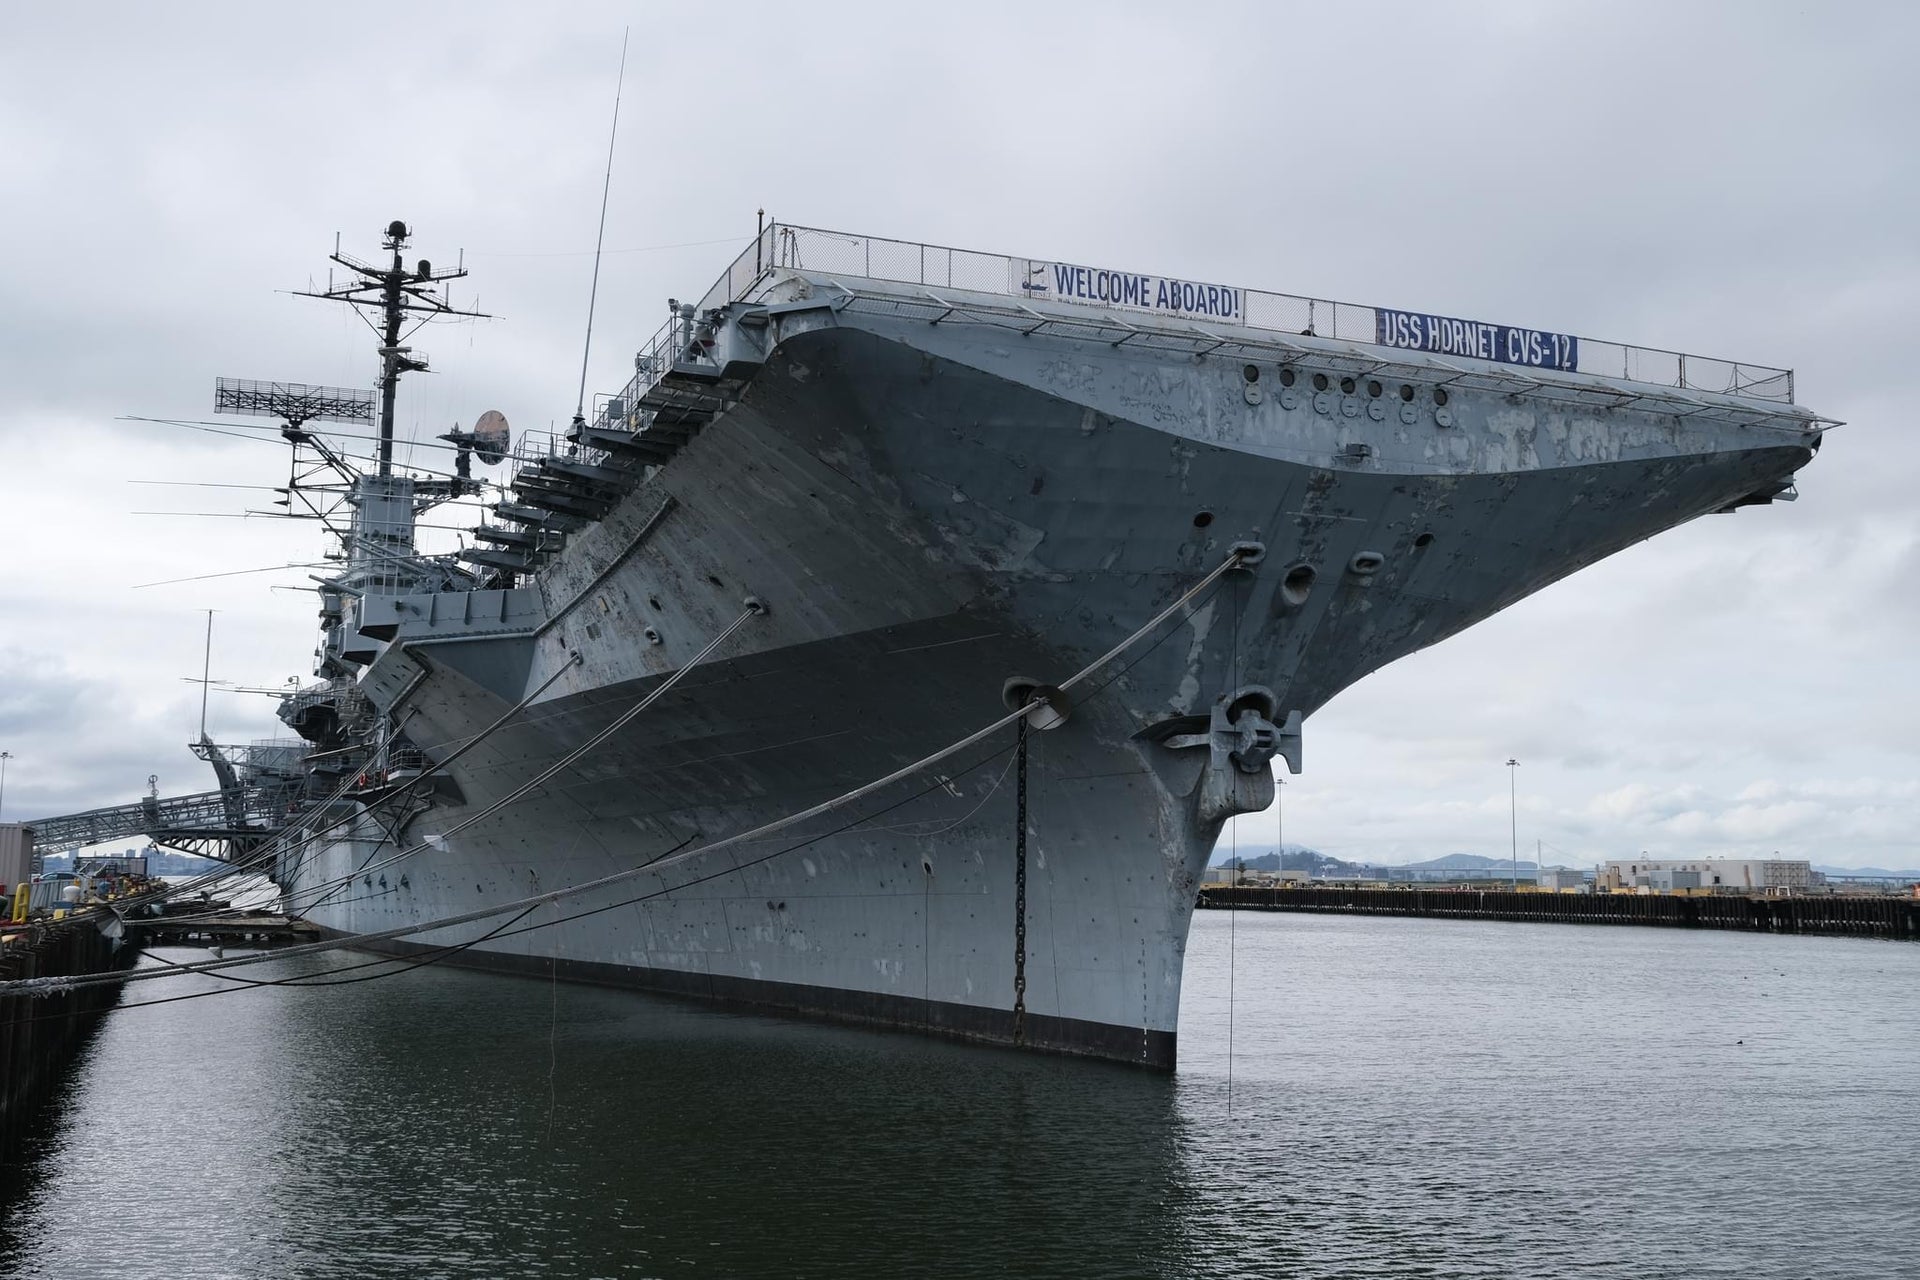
x: 206, y: 673
x: 593, y: 294
x: 394, y: 292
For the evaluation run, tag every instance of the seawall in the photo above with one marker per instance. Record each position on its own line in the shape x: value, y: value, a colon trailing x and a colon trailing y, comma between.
x: 1888, y: 917
x: 39, y: 1035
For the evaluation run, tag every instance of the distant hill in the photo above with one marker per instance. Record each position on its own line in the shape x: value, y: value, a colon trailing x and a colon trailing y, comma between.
x: 1293, y: 857
x: 1474, y: 862
x: 1301, y: 858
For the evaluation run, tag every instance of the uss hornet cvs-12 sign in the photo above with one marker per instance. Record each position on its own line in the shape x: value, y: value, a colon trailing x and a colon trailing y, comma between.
x: 1131, y: 291
x: 1446, y: 337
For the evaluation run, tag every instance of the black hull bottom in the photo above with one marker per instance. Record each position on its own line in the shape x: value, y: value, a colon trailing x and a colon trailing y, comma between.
x: 1072, y: 1037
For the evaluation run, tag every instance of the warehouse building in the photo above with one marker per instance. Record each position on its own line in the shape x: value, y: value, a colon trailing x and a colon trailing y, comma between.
x: 1736, y: 875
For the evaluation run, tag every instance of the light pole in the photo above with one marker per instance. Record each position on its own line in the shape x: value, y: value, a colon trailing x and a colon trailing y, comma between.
x: 4, y: 757
x: 1513, y: 816
x: 1279, y: 833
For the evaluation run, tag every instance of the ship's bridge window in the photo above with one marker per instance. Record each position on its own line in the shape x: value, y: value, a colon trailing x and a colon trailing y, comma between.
x: 1319, y: 382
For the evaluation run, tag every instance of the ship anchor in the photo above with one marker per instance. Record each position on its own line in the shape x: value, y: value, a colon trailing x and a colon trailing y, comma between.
x: 1242, y: 739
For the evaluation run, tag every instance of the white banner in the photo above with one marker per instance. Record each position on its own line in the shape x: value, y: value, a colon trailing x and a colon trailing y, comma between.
x: 1130, y: 291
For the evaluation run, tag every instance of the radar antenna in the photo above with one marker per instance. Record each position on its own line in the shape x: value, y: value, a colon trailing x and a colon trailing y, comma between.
x: 490, y: 438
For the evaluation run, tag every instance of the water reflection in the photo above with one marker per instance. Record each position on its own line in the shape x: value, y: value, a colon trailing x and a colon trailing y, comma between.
x: 449, y: 1123
x: 1407, y: 1098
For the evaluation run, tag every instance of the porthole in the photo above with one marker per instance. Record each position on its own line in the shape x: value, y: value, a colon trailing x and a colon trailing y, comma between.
x: 1439, y: 395
x: 1406, y: 391
x: 1319, y: 382
x: 716, y: 582
x: 1373, y: 388
x: 1251, y: 373
x: 1422, y: 541
x: 1346, y: 386
x: 1202, y: 519
x: 654, y: 601
x: 1287, y: 377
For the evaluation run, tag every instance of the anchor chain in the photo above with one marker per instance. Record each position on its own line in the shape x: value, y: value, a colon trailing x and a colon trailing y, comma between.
x: 1020, y: 884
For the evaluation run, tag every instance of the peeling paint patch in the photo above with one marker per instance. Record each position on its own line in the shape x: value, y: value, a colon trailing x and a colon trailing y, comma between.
x: 1201, y: 620
x: 1183, y: 456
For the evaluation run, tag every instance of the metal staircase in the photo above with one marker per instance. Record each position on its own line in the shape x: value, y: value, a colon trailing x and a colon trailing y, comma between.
x: 564, y: 483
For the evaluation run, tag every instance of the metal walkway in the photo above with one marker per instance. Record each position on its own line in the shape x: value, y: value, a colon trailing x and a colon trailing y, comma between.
x: 216, y: 824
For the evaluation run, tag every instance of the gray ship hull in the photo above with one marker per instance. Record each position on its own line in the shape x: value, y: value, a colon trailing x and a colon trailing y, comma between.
x: 927, y: 516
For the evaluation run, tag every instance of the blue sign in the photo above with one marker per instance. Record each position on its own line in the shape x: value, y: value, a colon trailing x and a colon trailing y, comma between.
x: 1131, y: 291
x: 1448, y: 337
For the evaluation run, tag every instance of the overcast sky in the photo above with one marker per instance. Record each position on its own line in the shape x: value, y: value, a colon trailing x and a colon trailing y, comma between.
x: 1729, y: 179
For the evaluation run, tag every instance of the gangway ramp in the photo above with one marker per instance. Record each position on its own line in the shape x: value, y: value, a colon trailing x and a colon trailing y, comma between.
x: 216, y: 824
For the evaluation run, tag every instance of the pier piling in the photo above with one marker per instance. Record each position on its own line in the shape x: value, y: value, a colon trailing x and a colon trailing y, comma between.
x: 1862, y: 917
x: 40, y: 1034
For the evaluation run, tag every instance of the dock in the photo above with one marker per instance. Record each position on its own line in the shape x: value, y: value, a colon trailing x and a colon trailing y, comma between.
x: 225, y: 929
x: 1843, y: 915
x: 40, y: 1034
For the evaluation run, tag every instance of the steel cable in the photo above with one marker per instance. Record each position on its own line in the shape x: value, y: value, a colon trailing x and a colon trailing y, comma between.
x: 62, y: 983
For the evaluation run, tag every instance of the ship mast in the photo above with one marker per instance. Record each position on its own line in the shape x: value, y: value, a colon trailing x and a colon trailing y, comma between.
x: 393, y: 293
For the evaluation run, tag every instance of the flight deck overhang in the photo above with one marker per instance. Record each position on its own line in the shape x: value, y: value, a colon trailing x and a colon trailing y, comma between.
x: 789, y: 268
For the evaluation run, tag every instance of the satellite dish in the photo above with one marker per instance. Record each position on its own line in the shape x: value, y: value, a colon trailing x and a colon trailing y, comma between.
x: 491, y: 437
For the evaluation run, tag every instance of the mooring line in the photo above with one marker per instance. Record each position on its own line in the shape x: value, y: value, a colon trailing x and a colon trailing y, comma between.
x: 46, y: 986
x: 753, y: 609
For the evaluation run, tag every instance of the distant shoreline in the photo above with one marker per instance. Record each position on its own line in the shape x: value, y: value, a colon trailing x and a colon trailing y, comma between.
x: 1848, y: 916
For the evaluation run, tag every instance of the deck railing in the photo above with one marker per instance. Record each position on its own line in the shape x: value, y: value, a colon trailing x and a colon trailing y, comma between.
x: 932, y: 266
x: 843, y: 255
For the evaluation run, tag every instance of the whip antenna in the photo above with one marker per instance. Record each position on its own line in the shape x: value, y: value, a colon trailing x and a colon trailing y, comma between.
x: 593, y: 294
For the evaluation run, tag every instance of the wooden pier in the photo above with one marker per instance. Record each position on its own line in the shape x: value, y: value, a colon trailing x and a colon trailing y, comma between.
x: 1846, y: 915
x: 228, y: 929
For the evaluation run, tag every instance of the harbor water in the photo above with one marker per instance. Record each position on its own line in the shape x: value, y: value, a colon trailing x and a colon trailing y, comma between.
x: 1376, y: 1097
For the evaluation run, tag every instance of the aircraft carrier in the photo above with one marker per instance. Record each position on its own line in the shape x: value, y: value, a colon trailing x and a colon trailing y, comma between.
x: 866, y: 497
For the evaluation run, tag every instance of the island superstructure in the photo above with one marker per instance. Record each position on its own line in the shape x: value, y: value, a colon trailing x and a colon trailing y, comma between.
x: 918, y: 489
